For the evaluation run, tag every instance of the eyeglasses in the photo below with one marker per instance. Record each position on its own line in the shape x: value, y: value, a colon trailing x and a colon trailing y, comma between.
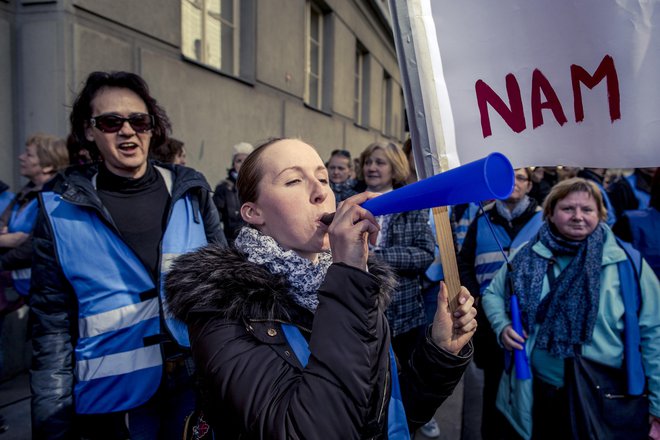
x: 110, y: 123
x: 522, y: 178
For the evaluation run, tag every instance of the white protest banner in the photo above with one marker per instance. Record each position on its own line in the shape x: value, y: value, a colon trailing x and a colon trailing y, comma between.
x: 567, y: 82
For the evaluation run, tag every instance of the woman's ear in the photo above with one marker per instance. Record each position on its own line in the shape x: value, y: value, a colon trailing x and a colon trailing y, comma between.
x: 48, y: 170
x: 252, y: 214
x: 89, y: 134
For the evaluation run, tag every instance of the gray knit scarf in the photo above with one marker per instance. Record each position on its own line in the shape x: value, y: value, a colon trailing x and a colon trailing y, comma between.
x: 304, y: 276
x: 567, y: 315
x: 520, y: 208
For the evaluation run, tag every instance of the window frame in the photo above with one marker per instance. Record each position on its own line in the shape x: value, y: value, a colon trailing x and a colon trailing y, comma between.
x: 243, y: 29
x: 313, y: 8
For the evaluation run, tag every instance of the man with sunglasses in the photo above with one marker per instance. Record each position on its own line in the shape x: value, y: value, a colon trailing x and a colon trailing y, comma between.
x: 108, y: 360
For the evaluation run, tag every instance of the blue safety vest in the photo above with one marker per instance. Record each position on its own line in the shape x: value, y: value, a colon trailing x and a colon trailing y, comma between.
x: 611, y: 214
x: 488, y: 257
x: 461, y: 226
x: 645, y: 231
x: 397, y: 425
x: 118, y: 358
x: 629, y: 275
x: 5, y: 199
x: 643, y: 198
x: 23, y: 220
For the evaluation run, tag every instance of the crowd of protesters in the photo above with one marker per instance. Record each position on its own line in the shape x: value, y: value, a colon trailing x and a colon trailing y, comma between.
x: 160, y: 308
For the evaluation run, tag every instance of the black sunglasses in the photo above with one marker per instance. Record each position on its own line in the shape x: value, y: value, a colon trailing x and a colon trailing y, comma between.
x: 140, y: 122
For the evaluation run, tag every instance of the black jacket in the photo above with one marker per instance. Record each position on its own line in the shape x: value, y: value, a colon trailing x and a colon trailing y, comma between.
x: 226, y: 201
x: 53, y: 304
x: 255, y: 386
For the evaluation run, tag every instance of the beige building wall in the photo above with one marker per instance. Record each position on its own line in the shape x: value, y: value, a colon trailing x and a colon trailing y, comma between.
x: 7, y: 151
x: 53, y: 45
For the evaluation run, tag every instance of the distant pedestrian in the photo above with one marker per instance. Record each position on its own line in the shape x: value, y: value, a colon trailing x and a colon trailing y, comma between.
x: 641, y: 227
x: 405, y: 243
x: 226, y: 194
x: 172, y: 151
x: 44, y: 156
x: 340, y: 168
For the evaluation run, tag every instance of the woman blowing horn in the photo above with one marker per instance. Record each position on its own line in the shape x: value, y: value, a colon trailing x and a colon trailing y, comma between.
x: 287, y: 328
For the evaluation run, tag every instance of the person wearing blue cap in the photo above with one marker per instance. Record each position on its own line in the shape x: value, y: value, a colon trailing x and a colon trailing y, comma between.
x: 225, y: 195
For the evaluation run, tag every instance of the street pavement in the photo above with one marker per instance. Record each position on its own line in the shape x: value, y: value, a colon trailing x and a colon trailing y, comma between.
x: 15, y: 408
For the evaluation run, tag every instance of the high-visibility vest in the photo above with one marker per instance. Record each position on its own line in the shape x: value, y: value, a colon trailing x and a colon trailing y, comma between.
x: 644, y: 228
x: 118, y: 357
x: 643, y: 198
x: 488, y: 256
x: 23, y: 220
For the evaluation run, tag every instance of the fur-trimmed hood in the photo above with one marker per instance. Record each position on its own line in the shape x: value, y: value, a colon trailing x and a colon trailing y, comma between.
x: 221, y: 280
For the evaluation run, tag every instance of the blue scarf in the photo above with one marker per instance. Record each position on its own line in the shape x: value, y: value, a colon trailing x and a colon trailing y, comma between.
x: 567, y: 315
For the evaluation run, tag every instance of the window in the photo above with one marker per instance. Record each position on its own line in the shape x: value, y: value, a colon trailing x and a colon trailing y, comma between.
x: 314, y: 59
x: 211, y: 33
x: 361, y: 85
x: 386, y: 122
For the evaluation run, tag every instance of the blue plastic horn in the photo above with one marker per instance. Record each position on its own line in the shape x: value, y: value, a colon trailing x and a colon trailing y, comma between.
x: 519, y: 356
x: 489, y: 178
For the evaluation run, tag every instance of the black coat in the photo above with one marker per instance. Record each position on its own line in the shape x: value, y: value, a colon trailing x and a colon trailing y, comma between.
x: 226, y: 201
x: 255, y: 388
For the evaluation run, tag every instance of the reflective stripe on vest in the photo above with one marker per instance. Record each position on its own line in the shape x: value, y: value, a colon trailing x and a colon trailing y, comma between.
x: 463, y: 224
x: 118, y: 306
x: 643, y: 198
x: 397, y: 425
x: 21, y: 279
x: 488, y: 257
x: 23, y: 220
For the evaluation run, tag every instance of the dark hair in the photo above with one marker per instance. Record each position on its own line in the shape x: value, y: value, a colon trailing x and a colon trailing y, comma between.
x: 251, y: 173
x: 81, y: 111
x: 344, y: 153
x: 655, y: 190
x: 168, y: 151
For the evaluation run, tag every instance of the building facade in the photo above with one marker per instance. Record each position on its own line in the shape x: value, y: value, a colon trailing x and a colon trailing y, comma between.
x: 225, y: 70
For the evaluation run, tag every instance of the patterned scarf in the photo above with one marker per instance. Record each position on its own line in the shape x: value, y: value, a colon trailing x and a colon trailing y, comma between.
x: 304, y: 276
x: 520, y: 208
x: 567, y: 315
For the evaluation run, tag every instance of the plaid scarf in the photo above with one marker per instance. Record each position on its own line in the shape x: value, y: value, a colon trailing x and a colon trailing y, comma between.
x: 567, y: 314
x: 304, y: 276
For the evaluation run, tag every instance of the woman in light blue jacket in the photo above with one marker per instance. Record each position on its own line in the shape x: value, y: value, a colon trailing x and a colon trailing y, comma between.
x: 567, y: 282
